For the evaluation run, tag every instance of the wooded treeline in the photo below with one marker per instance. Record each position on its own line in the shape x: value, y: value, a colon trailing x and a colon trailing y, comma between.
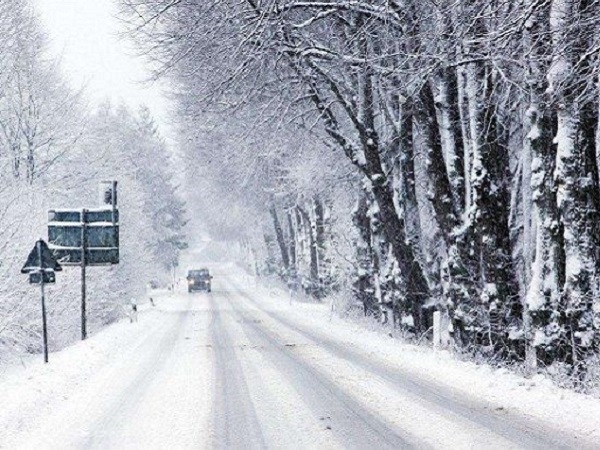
x: 464, y: 133
x: 54, y: 150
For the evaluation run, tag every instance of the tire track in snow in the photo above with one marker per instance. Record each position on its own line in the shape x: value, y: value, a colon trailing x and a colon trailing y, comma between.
x: 107, y: 428
x: 352, y: 424
x: 517, y: 429
x: 236, y: 423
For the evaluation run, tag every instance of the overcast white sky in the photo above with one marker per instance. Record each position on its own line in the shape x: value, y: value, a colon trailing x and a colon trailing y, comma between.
x: 85, y: 34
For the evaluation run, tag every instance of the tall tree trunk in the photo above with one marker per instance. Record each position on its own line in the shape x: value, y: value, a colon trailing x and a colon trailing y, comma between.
x: 285, y: 259
x: 542, y: 321
x: 364, y: 284
x: 463, y: 109
x: 320, y: 242
x: 301, y: 238
x: 489, y: 213
x: 440, y: 191
x: 393, y: 227
x: 451, y: 133
x: 405, y: 172
x: 458, y: 286
x: 292, y: 244
x: 314, y: 257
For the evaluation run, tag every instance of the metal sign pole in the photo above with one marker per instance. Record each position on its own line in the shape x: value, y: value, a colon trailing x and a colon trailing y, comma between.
x: 44, y: 324
x: 83, y: 264
x: 113, y: 199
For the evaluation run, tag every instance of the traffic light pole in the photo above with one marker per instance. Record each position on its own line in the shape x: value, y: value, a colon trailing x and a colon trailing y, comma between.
x: 83, y: 264
x: 44, y: 324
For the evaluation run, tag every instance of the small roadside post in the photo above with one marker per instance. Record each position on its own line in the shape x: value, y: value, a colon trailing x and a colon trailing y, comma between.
x: 40, y: 266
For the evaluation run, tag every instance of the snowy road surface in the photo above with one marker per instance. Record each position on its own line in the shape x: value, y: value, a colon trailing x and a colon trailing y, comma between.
x: 240, y: 368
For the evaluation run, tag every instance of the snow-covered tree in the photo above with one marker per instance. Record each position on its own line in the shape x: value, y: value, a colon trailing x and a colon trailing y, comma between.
x: 468, y: 135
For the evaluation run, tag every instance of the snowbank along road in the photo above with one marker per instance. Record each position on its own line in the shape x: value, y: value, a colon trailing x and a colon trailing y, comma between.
x: 238, y: 369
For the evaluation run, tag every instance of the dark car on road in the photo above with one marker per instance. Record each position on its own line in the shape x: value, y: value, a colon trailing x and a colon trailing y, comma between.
x: 199, y: 280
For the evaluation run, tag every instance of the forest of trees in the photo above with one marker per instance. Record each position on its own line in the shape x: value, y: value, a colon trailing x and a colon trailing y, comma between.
x: 54, y: 150
x: 418, y: 155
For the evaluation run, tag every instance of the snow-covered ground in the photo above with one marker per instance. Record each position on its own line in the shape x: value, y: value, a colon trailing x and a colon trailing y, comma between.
x: 133, y: 385
x: 245, y: 367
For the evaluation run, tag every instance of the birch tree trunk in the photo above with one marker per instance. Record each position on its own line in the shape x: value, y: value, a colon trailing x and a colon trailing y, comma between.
x: 542, y: 322
x: 489, y: 213
x: 451, y: 133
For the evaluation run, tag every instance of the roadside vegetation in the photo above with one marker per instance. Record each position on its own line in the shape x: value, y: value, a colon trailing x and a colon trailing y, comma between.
x: 422, y: 156
x: 54, y: 149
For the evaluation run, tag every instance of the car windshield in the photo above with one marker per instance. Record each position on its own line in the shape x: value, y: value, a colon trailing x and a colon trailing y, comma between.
x: 198, y: 273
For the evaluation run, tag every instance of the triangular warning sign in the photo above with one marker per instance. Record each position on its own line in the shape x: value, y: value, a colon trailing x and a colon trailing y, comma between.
x: 41, y: 258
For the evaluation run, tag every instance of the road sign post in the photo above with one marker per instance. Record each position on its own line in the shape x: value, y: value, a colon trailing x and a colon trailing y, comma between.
x: 83, y: 264
x: 44, y: 323
x: 39, y: 265
x: 87, y: 237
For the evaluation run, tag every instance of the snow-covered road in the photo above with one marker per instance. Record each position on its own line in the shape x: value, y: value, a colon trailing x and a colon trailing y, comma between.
x: 242, y: 368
